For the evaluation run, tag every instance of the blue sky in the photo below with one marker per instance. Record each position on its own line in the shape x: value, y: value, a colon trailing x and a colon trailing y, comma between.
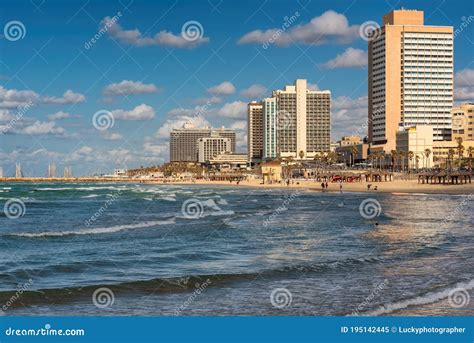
x: 149, y: 77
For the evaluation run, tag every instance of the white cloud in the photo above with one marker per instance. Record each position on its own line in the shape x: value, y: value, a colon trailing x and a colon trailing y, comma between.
x: 239, y: 125
x: 350, y: 58
x: 83, y: 153
x: 164, y: 131
x: 464, y: 85
x: 59, y: 115
x: 155, y: 149
x: 349, y: 116
x: 236, y: 109
x: 162, y: 38
x: 69, y: 97
x: 42, y: 128
x: 5, y: 115
x: 254, y: 91
x: 208, y: 100
x: 127, y: 87
x: 328, y: 27
x: 13, y: 98
x: 140, y: 112
x: 224, y: 88
x: 112, y: 136
x: 313, y: 86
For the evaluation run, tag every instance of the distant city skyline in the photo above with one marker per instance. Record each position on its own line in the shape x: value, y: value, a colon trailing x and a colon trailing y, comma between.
x: 136, y: 70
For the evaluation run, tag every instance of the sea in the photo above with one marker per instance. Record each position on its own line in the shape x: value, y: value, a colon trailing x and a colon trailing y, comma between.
x: 126, y: 249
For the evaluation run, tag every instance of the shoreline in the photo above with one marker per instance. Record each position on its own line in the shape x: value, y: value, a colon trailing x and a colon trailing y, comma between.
x: 396, y: 187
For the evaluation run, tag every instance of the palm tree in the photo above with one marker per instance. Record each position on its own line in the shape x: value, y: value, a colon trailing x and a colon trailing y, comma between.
x: 354, y: 153
x: 301, y: 154
x: 470, y: 152
x: 371, y: 158
x: 427, y: 155
x: 410, y: 157
x: 460, y: 147
x: 450, y: 158
x: 394, y: 158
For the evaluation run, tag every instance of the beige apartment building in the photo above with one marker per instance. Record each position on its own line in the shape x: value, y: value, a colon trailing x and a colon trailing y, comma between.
x: 349, y: 140
x: 303, y: 124
x: 255, y: 131
x: 210, y: 147
x: 416, y: 140
x: 184, y: 141
x: 410, y: 78
x: 463, y: 122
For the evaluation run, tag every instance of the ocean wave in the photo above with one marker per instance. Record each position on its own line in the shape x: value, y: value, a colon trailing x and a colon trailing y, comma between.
x: 168, y: 285
x: 92, y: 231
x: 428, y: 298
x: 168, y: 198
x: 90, y: 188
x: 90, y: 196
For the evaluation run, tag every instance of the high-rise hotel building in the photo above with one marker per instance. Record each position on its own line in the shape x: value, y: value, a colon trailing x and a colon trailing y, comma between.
x: 255, y: 131
x: 270, y: 148
x: 410, y: 78
x: 184, y: 142
x: 296, y: 123
x: 303, y: 120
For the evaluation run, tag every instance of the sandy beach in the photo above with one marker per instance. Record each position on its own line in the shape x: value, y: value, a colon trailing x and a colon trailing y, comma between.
x: 397, y: 186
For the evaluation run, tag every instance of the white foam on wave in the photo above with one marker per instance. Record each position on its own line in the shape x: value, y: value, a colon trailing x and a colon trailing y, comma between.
x: 90, y: 196
x: 168, y: 198
x: 427, y: 298
x: 91, y: 188
x: 95, y: 231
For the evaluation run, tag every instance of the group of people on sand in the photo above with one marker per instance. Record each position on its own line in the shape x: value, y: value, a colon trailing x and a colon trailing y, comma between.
x: 324, y: 186
x: 369, y: 186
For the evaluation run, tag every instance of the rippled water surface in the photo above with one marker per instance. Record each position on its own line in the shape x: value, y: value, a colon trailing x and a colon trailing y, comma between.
x: 199, y: 250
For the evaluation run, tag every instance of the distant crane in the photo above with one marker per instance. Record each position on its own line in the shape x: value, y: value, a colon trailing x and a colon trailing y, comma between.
x: 67, y: 172
x: 18, y: 172
x: 51, y: 170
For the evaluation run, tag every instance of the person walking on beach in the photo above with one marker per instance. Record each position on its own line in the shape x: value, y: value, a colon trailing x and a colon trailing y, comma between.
x: 322, y: 186
x: 340, y: 187
x: 326, y: 184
